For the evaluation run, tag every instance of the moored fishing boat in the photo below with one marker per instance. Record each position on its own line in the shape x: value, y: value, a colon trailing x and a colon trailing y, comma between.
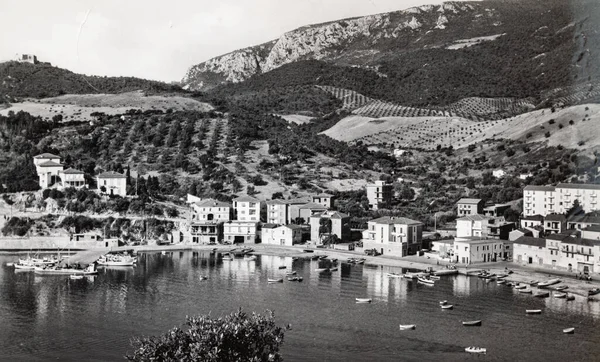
x: 569, y: 330
x: 293, y: 272
x: 593, y: 291
x: 548, y: 283
x: 559, y: 295
x: 446, y: 272
x: 533, y: 283
x: 425, y: 281
x: 54, y: 270
x: 363, y: 300
x: 520, y: 286
x: 434, y: 277
x: 533, y: 311
x: 476, y: 350
x: 250, y: 257
x: 447, y: 306
x: 525, y: 291
x: 394, y: 275
x: 334, y: 269
x: 501, y: 281
x: 406, y: 327
x: 116, y: 260
x: 19, y: 266
x: 475, y: 323
x: 321, y: 270
x: 275, y: 280
x: 542, y: 295
x: 561, y: 287
x: 75, y: 277
x: 295, y: 279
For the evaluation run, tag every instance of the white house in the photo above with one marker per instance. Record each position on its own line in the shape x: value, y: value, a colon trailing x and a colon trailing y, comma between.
x: 72, y: 178
x: 323, y: 199
x: 398, y: 236
x: 277, y: 212
x: 235, y: 231
x: 379, y: 195
x: 246, y: 208
x: 477, y: 250
x: 281, y: 234
x: 524, y: 176
x: 339, y: 225
x: 544, y: 200
x: 47, y: 167
x: 529, y: 250
x: 112, y: 183
x: 498, y: 173
x: 398, y: 152
x: 211, y: 210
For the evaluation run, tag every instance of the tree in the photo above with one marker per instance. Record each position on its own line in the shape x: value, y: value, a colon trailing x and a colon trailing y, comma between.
x: 511, y: 215
x: 324, y: 226
x: 235, y: 337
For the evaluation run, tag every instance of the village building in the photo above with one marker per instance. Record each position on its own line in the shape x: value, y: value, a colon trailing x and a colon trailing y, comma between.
x: 277, y: 212
x: 496, y: 211
x: 532, y: 221
x: 207, y: 219
x: 379, y: 195
x: 398, y: 152
x: 544, y: 200
x: 92, y: 240
x: 467, y: 206
x: 580, y: 222
x: 517, y: 233
x: 287, y: 235
x: 304, y: 211
x: 524, y: 176
x: 326, y: 200
x: 470, y: 250
x: 339, y: 226
x: 444, y: 248
x: 247, y: 208
x: 591, y: 232
x: 112, y: 183
x: 555, y: 223
x: 48, y: 168
x: 578, y: 255
x: 530, y: 250
x: 235, y: 232
x: 498, y: 173
x: 397, y: 236
x: 26, y: 58
x: 483, y: 227
x: 72, y: 178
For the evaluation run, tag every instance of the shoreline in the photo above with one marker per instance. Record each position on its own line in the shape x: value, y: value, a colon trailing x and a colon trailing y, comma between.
x: 521, y: 273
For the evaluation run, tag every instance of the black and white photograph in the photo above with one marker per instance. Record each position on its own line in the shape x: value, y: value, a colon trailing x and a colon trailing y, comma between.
x: 317, y: 180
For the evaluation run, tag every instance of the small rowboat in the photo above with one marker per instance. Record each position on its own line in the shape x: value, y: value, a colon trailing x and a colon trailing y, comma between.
x: 542, y: 295
x: 250, y: 257
x: 280, y: 280
x: 283, y: 267
x: 533, y: 311
x: 533, y: 283
x: 593, y: 291
x: 443, y: 302
x: 323, y: 257
x: 521, y: 286
x: 308, y: 251
x: 406, y: 327
x: 561, y: 287
x: 363, y: 300
x: 314, y: 257
x: 295, y: 279
x: 294, y: 258
x: 75, y: 277
x: 291, y: 273
x: 203, y: 277
x: 476, y: 350
x: 425, y: 281
x: 320, y: 270
x: 569, y: 330
x: 10, y: 264
x: 548, y: 283
x: 502, y: 276
x: 447, y: 306
x: 476, y: 323
x: 501, y: 281
x: 394, y: 275
x: 559, y: 295
x: 434, y: 277
x: 526, y: 291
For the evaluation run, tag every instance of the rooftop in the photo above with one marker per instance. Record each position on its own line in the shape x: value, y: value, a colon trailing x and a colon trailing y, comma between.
x: 585, y: 219
x: 46, y: 155
x: 296, y: 201
x: 592, y: 228
x: 73, y: 171
x: 556, y: 217
x: 581, y: 241
x: 246, y: 199
x: 469, y: 201
x: 477, y: 240
x: 212, y: 203
x: 50, y: 164
x: 313, y: 205
x: 528, y: 240
x: 323, y: 195
x: 534, y: 218
x: 475, y: 217
x: 395, y: 220
x: 538, y: 188
x: 270, y: 226
x: 111, y: 174
x: 293, y: 227
x: 578, y: 186
x: 276, y: 202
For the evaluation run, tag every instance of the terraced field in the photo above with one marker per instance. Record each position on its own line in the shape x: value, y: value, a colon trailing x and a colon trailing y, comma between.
x: 489, y: 108
x: 351, y: 99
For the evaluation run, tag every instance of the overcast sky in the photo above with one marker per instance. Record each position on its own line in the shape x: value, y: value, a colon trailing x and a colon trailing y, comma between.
x: 159, y: 39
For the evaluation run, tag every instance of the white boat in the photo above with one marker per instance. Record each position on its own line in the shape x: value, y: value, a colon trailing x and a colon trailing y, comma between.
x: 333, y: 269
x: 443, y: 302
x: 569, y: 330
x: 406, y: 327
x: 250, y: 257
x: 520, y: 286
x: 227, y: 257
x: 363, y: 300
x: 559, y: 295
x: 447, y: 306
x: 52, y: 270
x: 425, y: 281
x: 10, y: 264
x: 291, y: 273
x: 75, y: 277
x: 501, y: 281
x: 116, y: 260
x: 475, y: 350
x: 272, y: 280
x: 548, y: 283
x: 533, y: 311
x: 163, y: 252
x: 320, y: 270
x: 434, y: 277
x: 525, y: 291
x: 394, y: 275
x: 20, y: 266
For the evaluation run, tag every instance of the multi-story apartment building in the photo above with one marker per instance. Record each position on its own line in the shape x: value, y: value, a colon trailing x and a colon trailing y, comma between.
x: 281, y: 234
x: 543, y: 200
x: 397, y: 236
x: 277, y: 212
x: 207, y: 219
x: 379, y: 195
x: 247, y: 208
x: 477, y: 250
x: 469, y: 206
x: 235, y: 232
x: 483, y: 227
x: 339, y: 225
x: 323, y: 199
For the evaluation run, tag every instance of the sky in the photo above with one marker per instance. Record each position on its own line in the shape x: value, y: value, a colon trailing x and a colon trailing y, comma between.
x: 159, y: 39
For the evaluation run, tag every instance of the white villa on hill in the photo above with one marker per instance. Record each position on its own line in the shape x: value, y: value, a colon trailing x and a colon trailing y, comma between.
x: 51, y: 173
x: 113, y: 183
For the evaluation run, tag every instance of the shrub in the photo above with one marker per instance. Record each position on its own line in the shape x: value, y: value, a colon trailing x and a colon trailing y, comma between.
x: 547, y: 134
x: 235, y: 337
x: 571, y: 122
x: 510, y: 152
x: 528, y: 135
x: 551, y: 121
x: 560, y: 126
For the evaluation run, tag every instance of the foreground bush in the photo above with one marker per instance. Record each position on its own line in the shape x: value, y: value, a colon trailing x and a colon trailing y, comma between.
x: 235, y: 337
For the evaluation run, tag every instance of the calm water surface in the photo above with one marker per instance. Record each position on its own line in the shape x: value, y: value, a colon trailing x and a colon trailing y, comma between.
x: 54, y: 318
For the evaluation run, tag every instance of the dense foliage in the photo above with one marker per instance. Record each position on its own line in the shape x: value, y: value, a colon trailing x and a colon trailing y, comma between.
x: 235, y: 337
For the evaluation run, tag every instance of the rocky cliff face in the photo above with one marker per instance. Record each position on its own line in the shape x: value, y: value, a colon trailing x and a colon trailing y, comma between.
x: 334, y: 40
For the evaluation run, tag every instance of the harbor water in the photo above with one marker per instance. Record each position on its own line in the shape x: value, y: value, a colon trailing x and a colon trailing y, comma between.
x: 93, y: 319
